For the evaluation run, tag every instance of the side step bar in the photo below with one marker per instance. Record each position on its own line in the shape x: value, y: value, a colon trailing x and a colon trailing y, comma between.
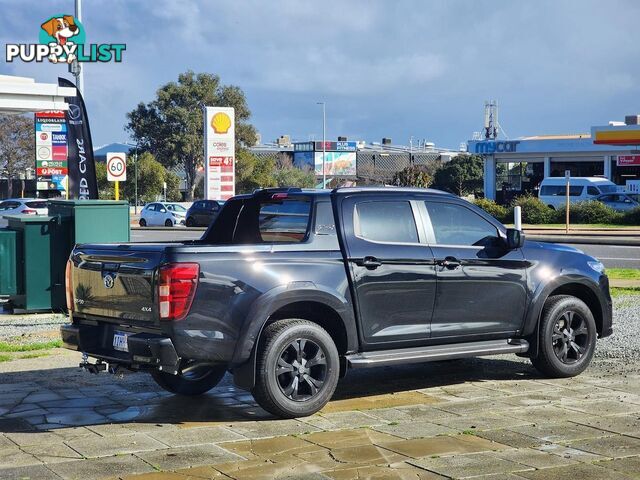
x: 435, y: 352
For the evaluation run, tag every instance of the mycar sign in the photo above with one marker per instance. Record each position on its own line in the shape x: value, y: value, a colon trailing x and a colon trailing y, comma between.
x: 219, y: 153
x: 496, y: 146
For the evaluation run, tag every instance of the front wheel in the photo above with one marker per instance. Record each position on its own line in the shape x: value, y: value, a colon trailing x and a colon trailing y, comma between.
x: 567, y: 337
x: 191, y: 222
x: 143, y: 222
x: 297, y: 368
x: 193, y: 379
x: 168, y: 223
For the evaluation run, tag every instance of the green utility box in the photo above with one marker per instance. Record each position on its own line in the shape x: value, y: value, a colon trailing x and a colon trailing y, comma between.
x: 34, y: 257
x: 8, y: 259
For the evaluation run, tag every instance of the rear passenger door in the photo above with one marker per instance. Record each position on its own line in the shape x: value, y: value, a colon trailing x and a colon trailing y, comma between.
x: 391, y: 267
x: 482, y: 288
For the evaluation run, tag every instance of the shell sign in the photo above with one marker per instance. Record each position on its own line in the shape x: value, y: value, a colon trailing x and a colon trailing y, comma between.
x: 221, y: 123
x: 219, y: 153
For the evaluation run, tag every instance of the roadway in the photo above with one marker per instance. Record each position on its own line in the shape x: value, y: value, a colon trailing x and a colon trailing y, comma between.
x: 611, y: 255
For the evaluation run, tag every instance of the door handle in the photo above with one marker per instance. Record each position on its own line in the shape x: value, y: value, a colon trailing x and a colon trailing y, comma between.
x: 370, y: 263
x: 450, y: 263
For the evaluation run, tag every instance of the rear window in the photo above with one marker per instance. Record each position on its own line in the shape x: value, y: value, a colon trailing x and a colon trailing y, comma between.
x: 560, y: 190
x: 36, y: 204
x: 386, y: 221
x: 269, y: 219
x: 8, y: 205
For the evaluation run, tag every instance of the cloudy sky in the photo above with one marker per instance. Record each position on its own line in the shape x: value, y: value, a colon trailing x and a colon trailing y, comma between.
x: 395, y: 68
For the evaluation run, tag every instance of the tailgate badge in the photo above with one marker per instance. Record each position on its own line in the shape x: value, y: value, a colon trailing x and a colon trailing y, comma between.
x: 109, y: 280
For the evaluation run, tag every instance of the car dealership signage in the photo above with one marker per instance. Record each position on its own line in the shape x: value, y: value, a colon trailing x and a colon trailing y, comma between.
x: 491, y: 147
x: 219, y: 153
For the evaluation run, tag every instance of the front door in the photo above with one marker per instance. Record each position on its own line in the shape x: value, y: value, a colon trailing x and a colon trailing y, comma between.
x: 392, y: 269
x: 482, y: 287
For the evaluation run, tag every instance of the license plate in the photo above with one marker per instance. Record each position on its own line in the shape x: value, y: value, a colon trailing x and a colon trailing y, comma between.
x: 120, y: 341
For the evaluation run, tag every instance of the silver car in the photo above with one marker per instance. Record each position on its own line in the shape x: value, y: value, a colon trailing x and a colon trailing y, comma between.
x: 620, y: 202
x: 22, y: 206
x: 162, y: 214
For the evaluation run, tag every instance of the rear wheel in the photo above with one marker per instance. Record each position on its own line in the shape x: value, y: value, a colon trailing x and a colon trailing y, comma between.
x: 193, y: 379
x: 567, y: 337
x: 143, y: 222
x: 190, y: 222
x: 297, y: 368
x: 168, y: 223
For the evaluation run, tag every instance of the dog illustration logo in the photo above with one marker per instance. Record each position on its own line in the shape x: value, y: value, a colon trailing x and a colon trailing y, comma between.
x: 61, y: 29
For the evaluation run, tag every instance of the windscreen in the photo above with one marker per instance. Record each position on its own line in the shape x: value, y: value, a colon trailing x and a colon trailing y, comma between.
x: 262, y: 219
x: 608, y: 188
x: 8, y: 206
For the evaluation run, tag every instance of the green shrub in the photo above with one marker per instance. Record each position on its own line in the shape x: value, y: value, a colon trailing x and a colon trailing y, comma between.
x: 590, y: 212
x: 499, y: 212
x: 632, y: 217
x: 533, y: 210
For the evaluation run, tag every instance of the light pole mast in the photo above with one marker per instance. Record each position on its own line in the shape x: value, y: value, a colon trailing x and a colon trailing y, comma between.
x: 324, y: 144
x: 80, y: 75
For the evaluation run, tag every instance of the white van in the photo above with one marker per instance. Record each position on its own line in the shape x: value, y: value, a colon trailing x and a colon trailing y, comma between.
x: 553, y: 190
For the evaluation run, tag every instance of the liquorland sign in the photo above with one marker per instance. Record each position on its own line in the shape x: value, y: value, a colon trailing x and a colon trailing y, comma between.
x: 491, y: 147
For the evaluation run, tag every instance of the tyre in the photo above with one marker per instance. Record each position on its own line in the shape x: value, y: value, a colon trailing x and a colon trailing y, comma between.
x: 297, y: 368
x: 193, y: 379
x: 143, y: 222
x: 168, y: 223
x: 567, y: 337
x: 191, y: 222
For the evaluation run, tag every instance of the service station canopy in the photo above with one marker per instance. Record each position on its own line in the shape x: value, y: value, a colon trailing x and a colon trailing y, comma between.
x: 616, y: 135
x: 23, y: 95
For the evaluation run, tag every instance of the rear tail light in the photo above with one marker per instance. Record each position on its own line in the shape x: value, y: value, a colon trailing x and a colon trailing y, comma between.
x: 68, y: 288
x: 177, y: 283
x: 28, y: 211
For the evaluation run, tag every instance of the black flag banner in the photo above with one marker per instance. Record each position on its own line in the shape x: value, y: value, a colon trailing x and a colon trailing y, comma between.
x: 82, y: 169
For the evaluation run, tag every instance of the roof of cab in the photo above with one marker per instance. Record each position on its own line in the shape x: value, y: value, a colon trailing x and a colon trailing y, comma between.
x: 344, y: 191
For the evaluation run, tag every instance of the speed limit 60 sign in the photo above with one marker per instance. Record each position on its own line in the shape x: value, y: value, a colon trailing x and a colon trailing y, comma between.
x: 116, y: 167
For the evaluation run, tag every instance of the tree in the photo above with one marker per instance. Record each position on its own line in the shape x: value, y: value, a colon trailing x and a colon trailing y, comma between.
x: 462, y: 175
x: 413, y: 176
x: 17, y: 145
x: 253, y: 172
x: 171, y: 126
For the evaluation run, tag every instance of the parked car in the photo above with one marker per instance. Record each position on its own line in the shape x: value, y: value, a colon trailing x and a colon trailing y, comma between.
x: 202, y: 212
x: 22, y: 206
x: 553, y: 190
x: 290, y: 288
x: 620, y: 202
x: 162, y: 213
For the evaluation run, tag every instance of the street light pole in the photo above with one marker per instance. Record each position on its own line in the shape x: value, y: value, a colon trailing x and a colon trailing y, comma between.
x: 80, y: 75
x: 324, y: 144
x: 135, y: 169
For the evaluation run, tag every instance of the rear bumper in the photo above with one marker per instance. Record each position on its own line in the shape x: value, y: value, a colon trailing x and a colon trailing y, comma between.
x: 146, y: 350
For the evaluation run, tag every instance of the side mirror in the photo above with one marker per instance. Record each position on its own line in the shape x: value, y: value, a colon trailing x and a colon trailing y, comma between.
x: 515, y: 238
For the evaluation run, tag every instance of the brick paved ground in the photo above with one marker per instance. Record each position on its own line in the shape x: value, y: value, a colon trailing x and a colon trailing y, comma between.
x: 493, y: 418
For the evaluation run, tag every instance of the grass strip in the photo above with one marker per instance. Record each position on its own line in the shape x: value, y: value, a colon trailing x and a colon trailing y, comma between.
x: 29, y: 347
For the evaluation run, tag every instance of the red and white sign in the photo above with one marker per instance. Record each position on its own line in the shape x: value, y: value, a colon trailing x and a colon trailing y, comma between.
x: 51, y: 171
x: 116, y: 167
x: 628, y: 160
x: 219, y: 151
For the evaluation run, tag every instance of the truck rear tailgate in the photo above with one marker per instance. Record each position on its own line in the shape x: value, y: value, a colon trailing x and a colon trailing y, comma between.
x: 116, y: 282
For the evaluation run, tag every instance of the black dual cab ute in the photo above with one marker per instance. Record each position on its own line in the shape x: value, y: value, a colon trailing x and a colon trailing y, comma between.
x: 289, y: 288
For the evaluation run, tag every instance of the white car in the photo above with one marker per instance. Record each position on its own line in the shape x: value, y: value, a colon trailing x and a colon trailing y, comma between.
x: 162, y: 214
x: 553, y: 190
x: 22, y: 206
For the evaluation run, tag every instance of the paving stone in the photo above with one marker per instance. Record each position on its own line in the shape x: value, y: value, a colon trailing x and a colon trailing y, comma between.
x: 115, y: 445
x: 546, y: 414
x: 581, y: 471
x: 378, y: 401
x: 52, y: 453
x: 417, y: 429
x: 366, y: 454
x: 444, y: 445
x: 194, y: 436
x: 627, y: 424
x: 6, y: 442
x: 76, y: 417
x: 24, y: 439
x: 99, y: 468
x: 406, y: 414
x: 470, y: 406
x: 472, y: 465
x: 511, y: 438
x: 192, y: 456
x: 534, y: 458
x: 14, y: 457
x: 32, y: 472
x: 14, y: 425
x: 41, y: 396
x: 271, y: 448
x: 396, y: 471
x: 346, y: 438
x: 338, y: 420
x: 271, y: 428
x: 564, y: 431
x: 629, y: 466
x: 601, y: 407
x: 487, y: 421
x: 615, y: 447
x: 72, y: 433
x: 571, y: 453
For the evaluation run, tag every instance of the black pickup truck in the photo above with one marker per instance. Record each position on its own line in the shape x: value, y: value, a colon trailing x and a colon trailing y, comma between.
x: 289, y: 288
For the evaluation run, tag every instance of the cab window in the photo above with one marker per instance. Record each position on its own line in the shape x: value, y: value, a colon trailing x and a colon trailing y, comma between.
x: 457, y: 225
x: 385, y: 221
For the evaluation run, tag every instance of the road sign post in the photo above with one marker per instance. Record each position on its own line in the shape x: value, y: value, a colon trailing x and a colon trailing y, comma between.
x: 116, y: 170
x: 567, y: 176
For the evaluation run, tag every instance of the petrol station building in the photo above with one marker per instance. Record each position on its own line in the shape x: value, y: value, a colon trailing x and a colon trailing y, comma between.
x: 515, y: 167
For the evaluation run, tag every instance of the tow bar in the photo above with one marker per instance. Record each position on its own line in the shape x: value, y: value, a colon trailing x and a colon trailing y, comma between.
x: 95, y: 368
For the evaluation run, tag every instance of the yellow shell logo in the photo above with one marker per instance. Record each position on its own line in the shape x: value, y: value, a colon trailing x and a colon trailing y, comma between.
x: 221, y: 122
